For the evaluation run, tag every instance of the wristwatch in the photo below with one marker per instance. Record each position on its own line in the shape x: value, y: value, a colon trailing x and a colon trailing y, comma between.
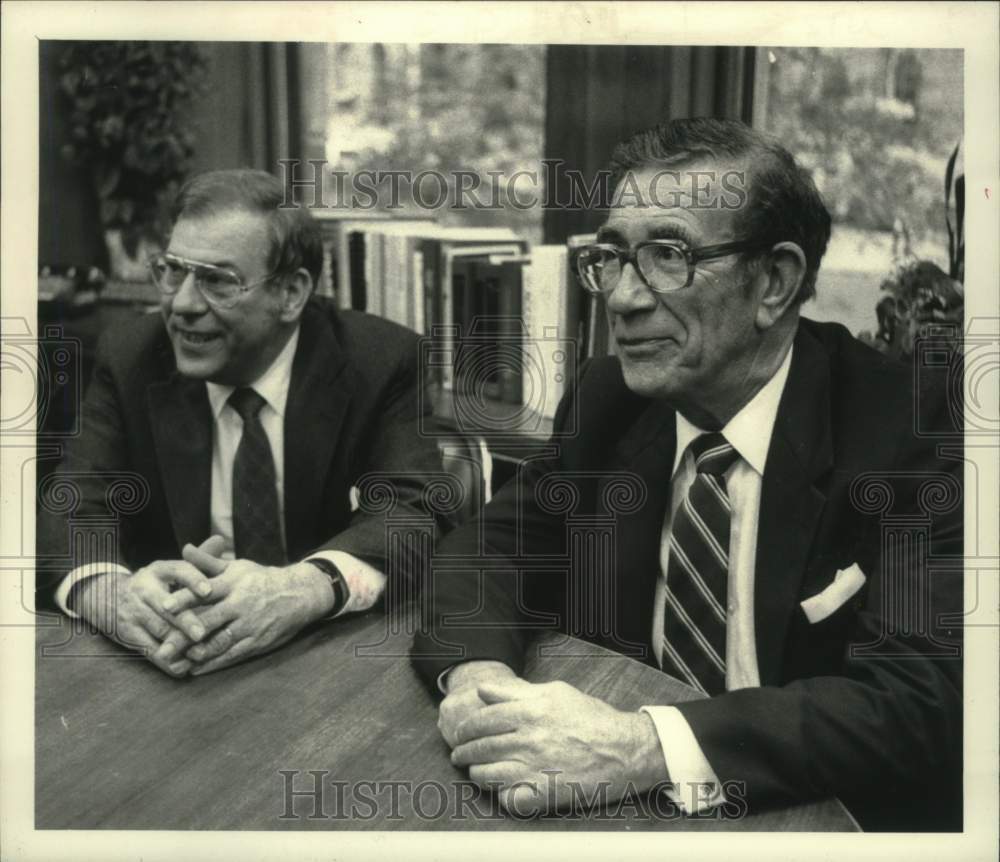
x: 341, y: 592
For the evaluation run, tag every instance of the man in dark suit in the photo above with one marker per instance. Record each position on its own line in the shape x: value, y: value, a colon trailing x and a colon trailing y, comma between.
x: 756, y: 465
x: 240, y: 420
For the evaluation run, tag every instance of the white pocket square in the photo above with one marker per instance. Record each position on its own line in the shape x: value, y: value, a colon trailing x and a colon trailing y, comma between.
x: 845, y: 584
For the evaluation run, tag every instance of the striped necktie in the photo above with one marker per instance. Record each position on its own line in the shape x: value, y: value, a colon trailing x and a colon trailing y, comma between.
x: 694, y: 620
x: 256, y: 520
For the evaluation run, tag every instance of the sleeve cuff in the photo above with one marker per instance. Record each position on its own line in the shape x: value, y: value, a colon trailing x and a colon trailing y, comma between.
x: 90, y: 570
x: 442, y: 680
x: 365, y: 583
x: 694, y: 786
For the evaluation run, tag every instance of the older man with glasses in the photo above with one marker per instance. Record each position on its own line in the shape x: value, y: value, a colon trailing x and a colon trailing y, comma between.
x: 775, y: 465
x: 245, y: 416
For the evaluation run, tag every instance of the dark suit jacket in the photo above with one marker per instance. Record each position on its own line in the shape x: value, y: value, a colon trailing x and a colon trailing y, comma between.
x: 352, y: 409
x: 882, y: 732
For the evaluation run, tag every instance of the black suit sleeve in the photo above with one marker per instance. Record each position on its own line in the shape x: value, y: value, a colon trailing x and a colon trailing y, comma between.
x: 480, y: 615
x: 396, y: 460
x: 91, y: 477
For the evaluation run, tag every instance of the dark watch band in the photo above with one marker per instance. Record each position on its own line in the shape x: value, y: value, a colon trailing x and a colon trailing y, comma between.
x: 341, y: 592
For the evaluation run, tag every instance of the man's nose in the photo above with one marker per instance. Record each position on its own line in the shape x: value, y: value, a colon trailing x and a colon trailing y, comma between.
x: 630, y: 293
x: 188, y: 299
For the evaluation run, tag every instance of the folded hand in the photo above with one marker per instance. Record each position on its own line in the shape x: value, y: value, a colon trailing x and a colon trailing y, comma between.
x: 253, y: 609
x: 137, y: 610
x: 546, y: 745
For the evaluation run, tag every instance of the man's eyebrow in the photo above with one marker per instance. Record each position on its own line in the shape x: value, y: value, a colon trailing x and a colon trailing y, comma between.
x: 666, y: 231
x: 220, y: 264
x: 672, y: 231
x: 610, y: 235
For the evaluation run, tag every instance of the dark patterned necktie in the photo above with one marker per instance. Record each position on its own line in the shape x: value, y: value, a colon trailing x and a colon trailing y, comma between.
x: 694, y: 621
x: 256, y: 520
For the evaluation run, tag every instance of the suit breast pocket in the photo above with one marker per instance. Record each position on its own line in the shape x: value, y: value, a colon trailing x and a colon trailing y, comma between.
x: 841, y: 591
x: 823, y: 626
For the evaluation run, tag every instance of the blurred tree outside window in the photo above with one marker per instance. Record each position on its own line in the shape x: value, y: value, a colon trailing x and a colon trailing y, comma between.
x: 875, y: 127
x: 391, y: 107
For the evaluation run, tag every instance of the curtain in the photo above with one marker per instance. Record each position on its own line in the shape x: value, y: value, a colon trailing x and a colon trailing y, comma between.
x: 250, y: 114
x: 597, y: 95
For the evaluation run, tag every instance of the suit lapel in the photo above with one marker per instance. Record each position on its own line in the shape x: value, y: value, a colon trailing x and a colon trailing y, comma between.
x: 648, y: 451
x: 181, y: 420
x: 318, y: 400
x: 791, y: 504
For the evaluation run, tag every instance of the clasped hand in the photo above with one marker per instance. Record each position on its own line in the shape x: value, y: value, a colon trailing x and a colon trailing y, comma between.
x: 203, y: 613
x: 543, y: 745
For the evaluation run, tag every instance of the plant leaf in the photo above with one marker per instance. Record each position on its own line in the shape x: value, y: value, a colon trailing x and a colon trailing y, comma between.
x: 960, y: 205
x: 949, y: 172
x: 106, y: 177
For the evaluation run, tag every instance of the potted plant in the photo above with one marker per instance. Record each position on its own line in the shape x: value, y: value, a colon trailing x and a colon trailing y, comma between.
x: 129, y: 124
x: 918, y: 292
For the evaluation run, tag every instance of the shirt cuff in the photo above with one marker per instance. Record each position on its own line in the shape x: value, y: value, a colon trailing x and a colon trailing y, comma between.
x: 80, y: 573
x: 443, y: 678
x: 694, y: 786
x: 364, y: 582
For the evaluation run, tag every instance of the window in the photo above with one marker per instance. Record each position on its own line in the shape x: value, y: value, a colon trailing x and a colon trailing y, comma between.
x: 445, y: 108
x: 876, y: 128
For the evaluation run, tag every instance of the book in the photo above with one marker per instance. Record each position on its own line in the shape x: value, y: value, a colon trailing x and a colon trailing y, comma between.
x: 488, y: 356
x: 337, y: 227
x: 551, y: 350
x: 439, y: 247
x: 401, y: 283
x: 373, y: 273
x: 356, y: 273
x: 460, y: 286
x: 475, y: 295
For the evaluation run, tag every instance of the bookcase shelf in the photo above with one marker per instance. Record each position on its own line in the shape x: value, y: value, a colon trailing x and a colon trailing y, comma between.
x: 504, y: 323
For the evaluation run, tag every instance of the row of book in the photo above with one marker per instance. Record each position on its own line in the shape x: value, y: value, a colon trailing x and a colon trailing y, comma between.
x: 505, y: 322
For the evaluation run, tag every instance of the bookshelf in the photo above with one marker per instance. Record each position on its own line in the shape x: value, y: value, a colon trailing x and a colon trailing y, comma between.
x: 505, y: 325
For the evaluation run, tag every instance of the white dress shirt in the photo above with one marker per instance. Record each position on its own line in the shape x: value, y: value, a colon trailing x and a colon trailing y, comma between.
x: 749, y: 433
x: 364, y: 582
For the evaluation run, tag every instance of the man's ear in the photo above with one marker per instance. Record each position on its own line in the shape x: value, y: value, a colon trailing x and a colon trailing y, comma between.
x: 783, y: 279
x: 295, y: 292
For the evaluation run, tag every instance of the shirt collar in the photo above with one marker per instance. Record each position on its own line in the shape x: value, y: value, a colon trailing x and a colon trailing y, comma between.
x: 272, y: 385
x: 749, y: 431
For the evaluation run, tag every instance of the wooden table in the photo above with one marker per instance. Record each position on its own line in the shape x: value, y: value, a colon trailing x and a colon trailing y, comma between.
x: 120, y: 745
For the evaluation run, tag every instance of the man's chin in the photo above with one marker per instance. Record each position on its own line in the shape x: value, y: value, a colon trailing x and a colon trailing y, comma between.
x: 200, y: 368
x: 650, y: 380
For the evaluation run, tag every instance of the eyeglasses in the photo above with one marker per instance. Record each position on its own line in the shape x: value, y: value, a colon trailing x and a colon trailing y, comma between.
x: 221, y: 286
x: 664, y: 265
